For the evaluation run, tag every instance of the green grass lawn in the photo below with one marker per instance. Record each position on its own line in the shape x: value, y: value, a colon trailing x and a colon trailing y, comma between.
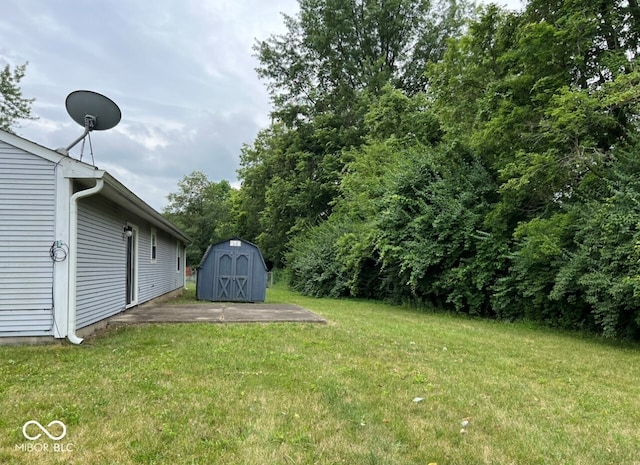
x: 341, y: 393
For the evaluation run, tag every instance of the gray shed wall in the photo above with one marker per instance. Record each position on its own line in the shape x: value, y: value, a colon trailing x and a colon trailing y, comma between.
x: 232, y: 273
x: 27, y: 225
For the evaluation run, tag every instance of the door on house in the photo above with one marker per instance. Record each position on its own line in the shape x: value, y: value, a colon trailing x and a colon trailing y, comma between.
x: 132, y: 267
x: 232, y: 276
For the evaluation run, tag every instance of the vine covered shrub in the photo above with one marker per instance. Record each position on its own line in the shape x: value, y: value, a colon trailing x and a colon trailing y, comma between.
x: 429, y: 233
x: 311, y: 262
x: 605, y: 268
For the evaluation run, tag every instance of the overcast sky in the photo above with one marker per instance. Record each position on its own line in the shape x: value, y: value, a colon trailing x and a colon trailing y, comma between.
x: 181, y: 71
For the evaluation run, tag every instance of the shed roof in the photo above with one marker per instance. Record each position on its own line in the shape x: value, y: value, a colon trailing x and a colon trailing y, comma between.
x: 113, y: 189
x: 213, y: 245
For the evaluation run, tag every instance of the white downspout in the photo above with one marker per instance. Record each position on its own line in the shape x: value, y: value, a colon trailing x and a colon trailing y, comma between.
x: 184, y: 266
x: 73, y: 258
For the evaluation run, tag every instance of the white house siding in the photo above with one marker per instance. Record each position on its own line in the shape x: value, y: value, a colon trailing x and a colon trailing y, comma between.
x: 101, y: 289
x: 27, y: 220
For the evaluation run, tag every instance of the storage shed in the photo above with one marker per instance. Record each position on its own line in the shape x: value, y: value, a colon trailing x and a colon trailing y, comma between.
x: 232, y: 270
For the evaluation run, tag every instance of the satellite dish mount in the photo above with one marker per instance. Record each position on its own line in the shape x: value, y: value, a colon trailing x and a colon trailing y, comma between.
x: 89, y: 124
x: 93, y: 111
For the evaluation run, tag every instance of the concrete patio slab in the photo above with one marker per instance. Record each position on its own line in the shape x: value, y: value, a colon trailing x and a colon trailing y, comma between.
x: 216, y: 312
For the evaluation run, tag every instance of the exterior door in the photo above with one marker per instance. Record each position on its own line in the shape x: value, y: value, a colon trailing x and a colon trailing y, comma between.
x: 232, y: 276
x: 132, y: 267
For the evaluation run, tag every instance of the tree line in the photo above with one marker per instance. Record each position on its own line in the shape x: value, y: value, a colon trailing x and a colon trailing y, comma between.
x: 472, y: 158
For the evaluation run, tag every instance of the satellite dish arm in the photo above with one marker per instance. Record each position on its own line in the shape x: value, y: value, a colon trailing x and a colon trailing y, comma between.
x: 89, y: 124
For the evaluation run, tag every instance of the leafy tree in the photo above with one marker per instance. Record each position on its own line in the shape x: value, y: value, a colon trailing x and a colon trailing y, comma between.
x: 256, y: 170
x: 286, y: 186
x: 521, y: 90
x: 202, y: 209
x: 468, y: 71
x: 323, y: 74
x: 333, y: 50
x: 13, y: 106
x: 603, y: 267
x: 395, y: 124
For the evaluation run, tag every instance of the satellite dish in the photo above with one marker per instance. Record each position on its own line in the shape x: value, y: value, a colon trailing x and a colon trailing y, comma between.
x: 101, y: 111
x: 93, y: 111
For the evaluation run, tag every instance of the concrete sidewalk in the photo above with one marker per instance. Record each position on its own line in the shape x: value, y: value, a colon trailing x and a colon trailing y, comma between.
x: 216, y: 312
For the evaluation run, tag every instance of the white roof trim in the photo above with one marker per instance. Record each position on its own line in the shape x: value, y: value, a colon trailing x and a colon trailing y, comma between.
x: 31, y: 147
x: 114, y: 189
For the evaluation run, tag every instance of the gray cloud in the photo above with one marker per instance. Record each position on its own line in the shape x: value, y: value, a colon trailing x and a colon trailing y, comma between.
x: 181, y: 72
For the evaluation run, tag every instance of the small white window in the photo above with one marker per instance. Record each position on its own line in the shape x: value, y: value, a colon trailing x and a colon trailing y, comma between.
x: 154, y: 246
x: 178, y: 256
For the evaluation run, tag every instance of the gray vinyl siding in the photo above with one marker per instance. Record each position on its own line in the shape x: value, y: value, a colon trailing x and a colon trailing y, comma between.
x: 160, y: 277
x: 101, y: 279
x: 27, y: 221
x: 101, y: 289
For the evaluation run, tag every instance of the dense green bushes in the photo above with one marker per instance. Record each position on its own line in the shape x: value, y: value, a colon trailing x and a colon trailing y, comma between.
x: 501, y: 181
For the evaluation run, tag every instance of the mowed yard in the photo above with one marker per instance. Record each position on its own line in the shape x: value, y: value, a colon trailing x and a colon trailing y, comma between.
x: 377, y: 385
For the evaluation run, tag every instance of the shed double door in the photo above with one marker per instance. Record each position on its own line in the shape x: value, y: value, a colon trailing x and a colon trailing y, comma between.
x: 232, y: 276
